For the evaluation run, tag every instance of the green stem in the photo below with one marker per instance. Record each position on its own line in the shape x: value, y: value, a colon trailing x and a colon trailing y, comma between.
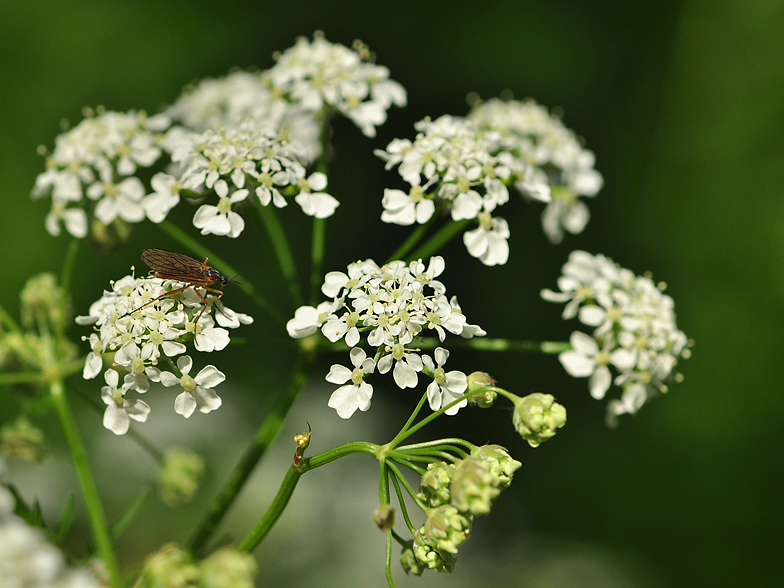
x: 134, y: 508
x: 95, y: 512
x: 224, y: 268
x: 282, y: 250
x: 400, y: 436
x: 490, y: 344
x: 412, y: 240
x: 265, y: 524
x: 317, y: 258
x: 438, y: 240
x: 261, y: 441
x: 68, y: 265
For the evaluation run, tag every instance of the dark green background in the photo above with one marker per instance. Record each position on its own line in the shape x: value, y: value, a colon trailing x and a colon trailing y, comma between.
x: 682, y: 103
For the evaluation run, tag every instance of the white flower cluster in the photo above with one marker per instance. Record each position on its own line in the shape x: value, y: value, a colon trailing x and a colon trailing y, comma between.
x: 141, y: 331
x: 232, y: 162
x: 560, y: 164
x: 450, y: 164
x: 92, y: 169
x: 392, y: 304
x: 227, y: 101
x: 635, y: 330
x: 320, y: 74
x: 28, y: 559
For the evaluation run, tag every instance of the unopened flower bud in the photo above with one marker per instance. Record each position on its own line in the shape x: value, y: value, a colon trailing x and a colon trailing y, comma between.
x: 537, y: 416
x: 434, y: 487
x: 499, y: 461
x: 302, y: 441
x: 179, y: 477
x: 411, y: 565
x: 480, y: 386
x: 228, y: 568
x: 384, y: 517
x: 435, y: 544
x: 169, y: 567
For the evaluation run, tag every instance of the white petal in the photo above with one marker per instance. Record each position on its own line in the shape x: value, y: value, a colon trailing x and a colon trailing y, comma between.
x: 404, y: 374
x: 184, y: 404
x: 576, y: 365
x: 339, y: 374
x: 209, y: 377
x: 599, y: 382
x: 116, y: 420
x: 583, y: 343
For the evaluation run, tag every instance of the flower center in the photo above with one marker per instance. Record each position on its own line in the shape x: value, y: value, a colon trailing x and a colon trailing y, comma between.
x: 224, y: 206
x: 188, y: 384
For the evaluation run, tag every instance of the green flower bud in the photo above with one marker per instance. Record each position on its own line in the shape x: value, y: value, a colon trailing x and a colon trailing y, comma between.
x: 410, y: 563
x: 227, y: 568
x: 435, y: 544
x: 537, y: 416
x: 474, y: 487
x: 499, y: 461
x: 384, y: 517
x: 179, y: 477
x: 480, y: 386
x: 434, y: 487
x: 23, y: 440
x: 169, y: 567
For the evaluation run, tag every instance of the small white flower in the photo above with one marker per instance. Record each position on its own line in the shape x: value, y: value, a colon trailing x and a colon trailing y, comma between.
x: 406, y: 366
x: 488, y: 241
x: 312, y: 200
x: 75, y: 220
x: 446, y: 387
x: 197, y: 392
x: 166, y: 196
x: 119, y: 410
x: 221, y: 219
x: 586, y: 359
x: 308, y: 319
x: 406, y: 209
x: 347, y: 399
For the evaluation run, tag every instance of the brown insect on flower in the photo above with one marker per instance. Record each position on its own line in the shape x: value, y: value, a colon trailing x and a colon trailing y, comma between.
x: 168, y: 265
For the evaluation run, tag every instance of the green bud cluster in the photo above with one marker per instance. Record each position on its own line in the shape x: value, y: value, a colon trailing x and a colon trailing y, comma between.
x: 179, y: 477
x: 453, y: 495
x: 434, y: 487
x: 537, y: 416
x: 173, y: 567
x: 435, y: 544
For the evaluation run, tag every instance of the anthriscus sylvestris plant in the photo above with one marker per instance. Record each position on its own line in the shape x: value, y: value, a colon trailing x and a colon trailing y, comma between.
x: 234, y: 150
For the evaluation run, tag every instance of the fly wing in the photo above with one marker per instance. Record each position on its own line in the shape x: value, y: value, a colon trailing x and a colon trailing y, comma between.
x: 174, y: 266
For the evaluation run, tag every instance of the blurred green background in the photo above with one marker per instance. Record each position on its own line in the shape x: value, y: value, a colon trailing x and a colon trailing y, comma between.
x: 683, y: 104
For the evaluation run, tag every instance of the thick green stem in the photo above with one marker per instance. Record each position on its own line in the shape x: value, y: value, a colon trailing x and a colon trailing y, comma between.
x: 265, y: 524
x: 95, y: 512
x: 263, y: 439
